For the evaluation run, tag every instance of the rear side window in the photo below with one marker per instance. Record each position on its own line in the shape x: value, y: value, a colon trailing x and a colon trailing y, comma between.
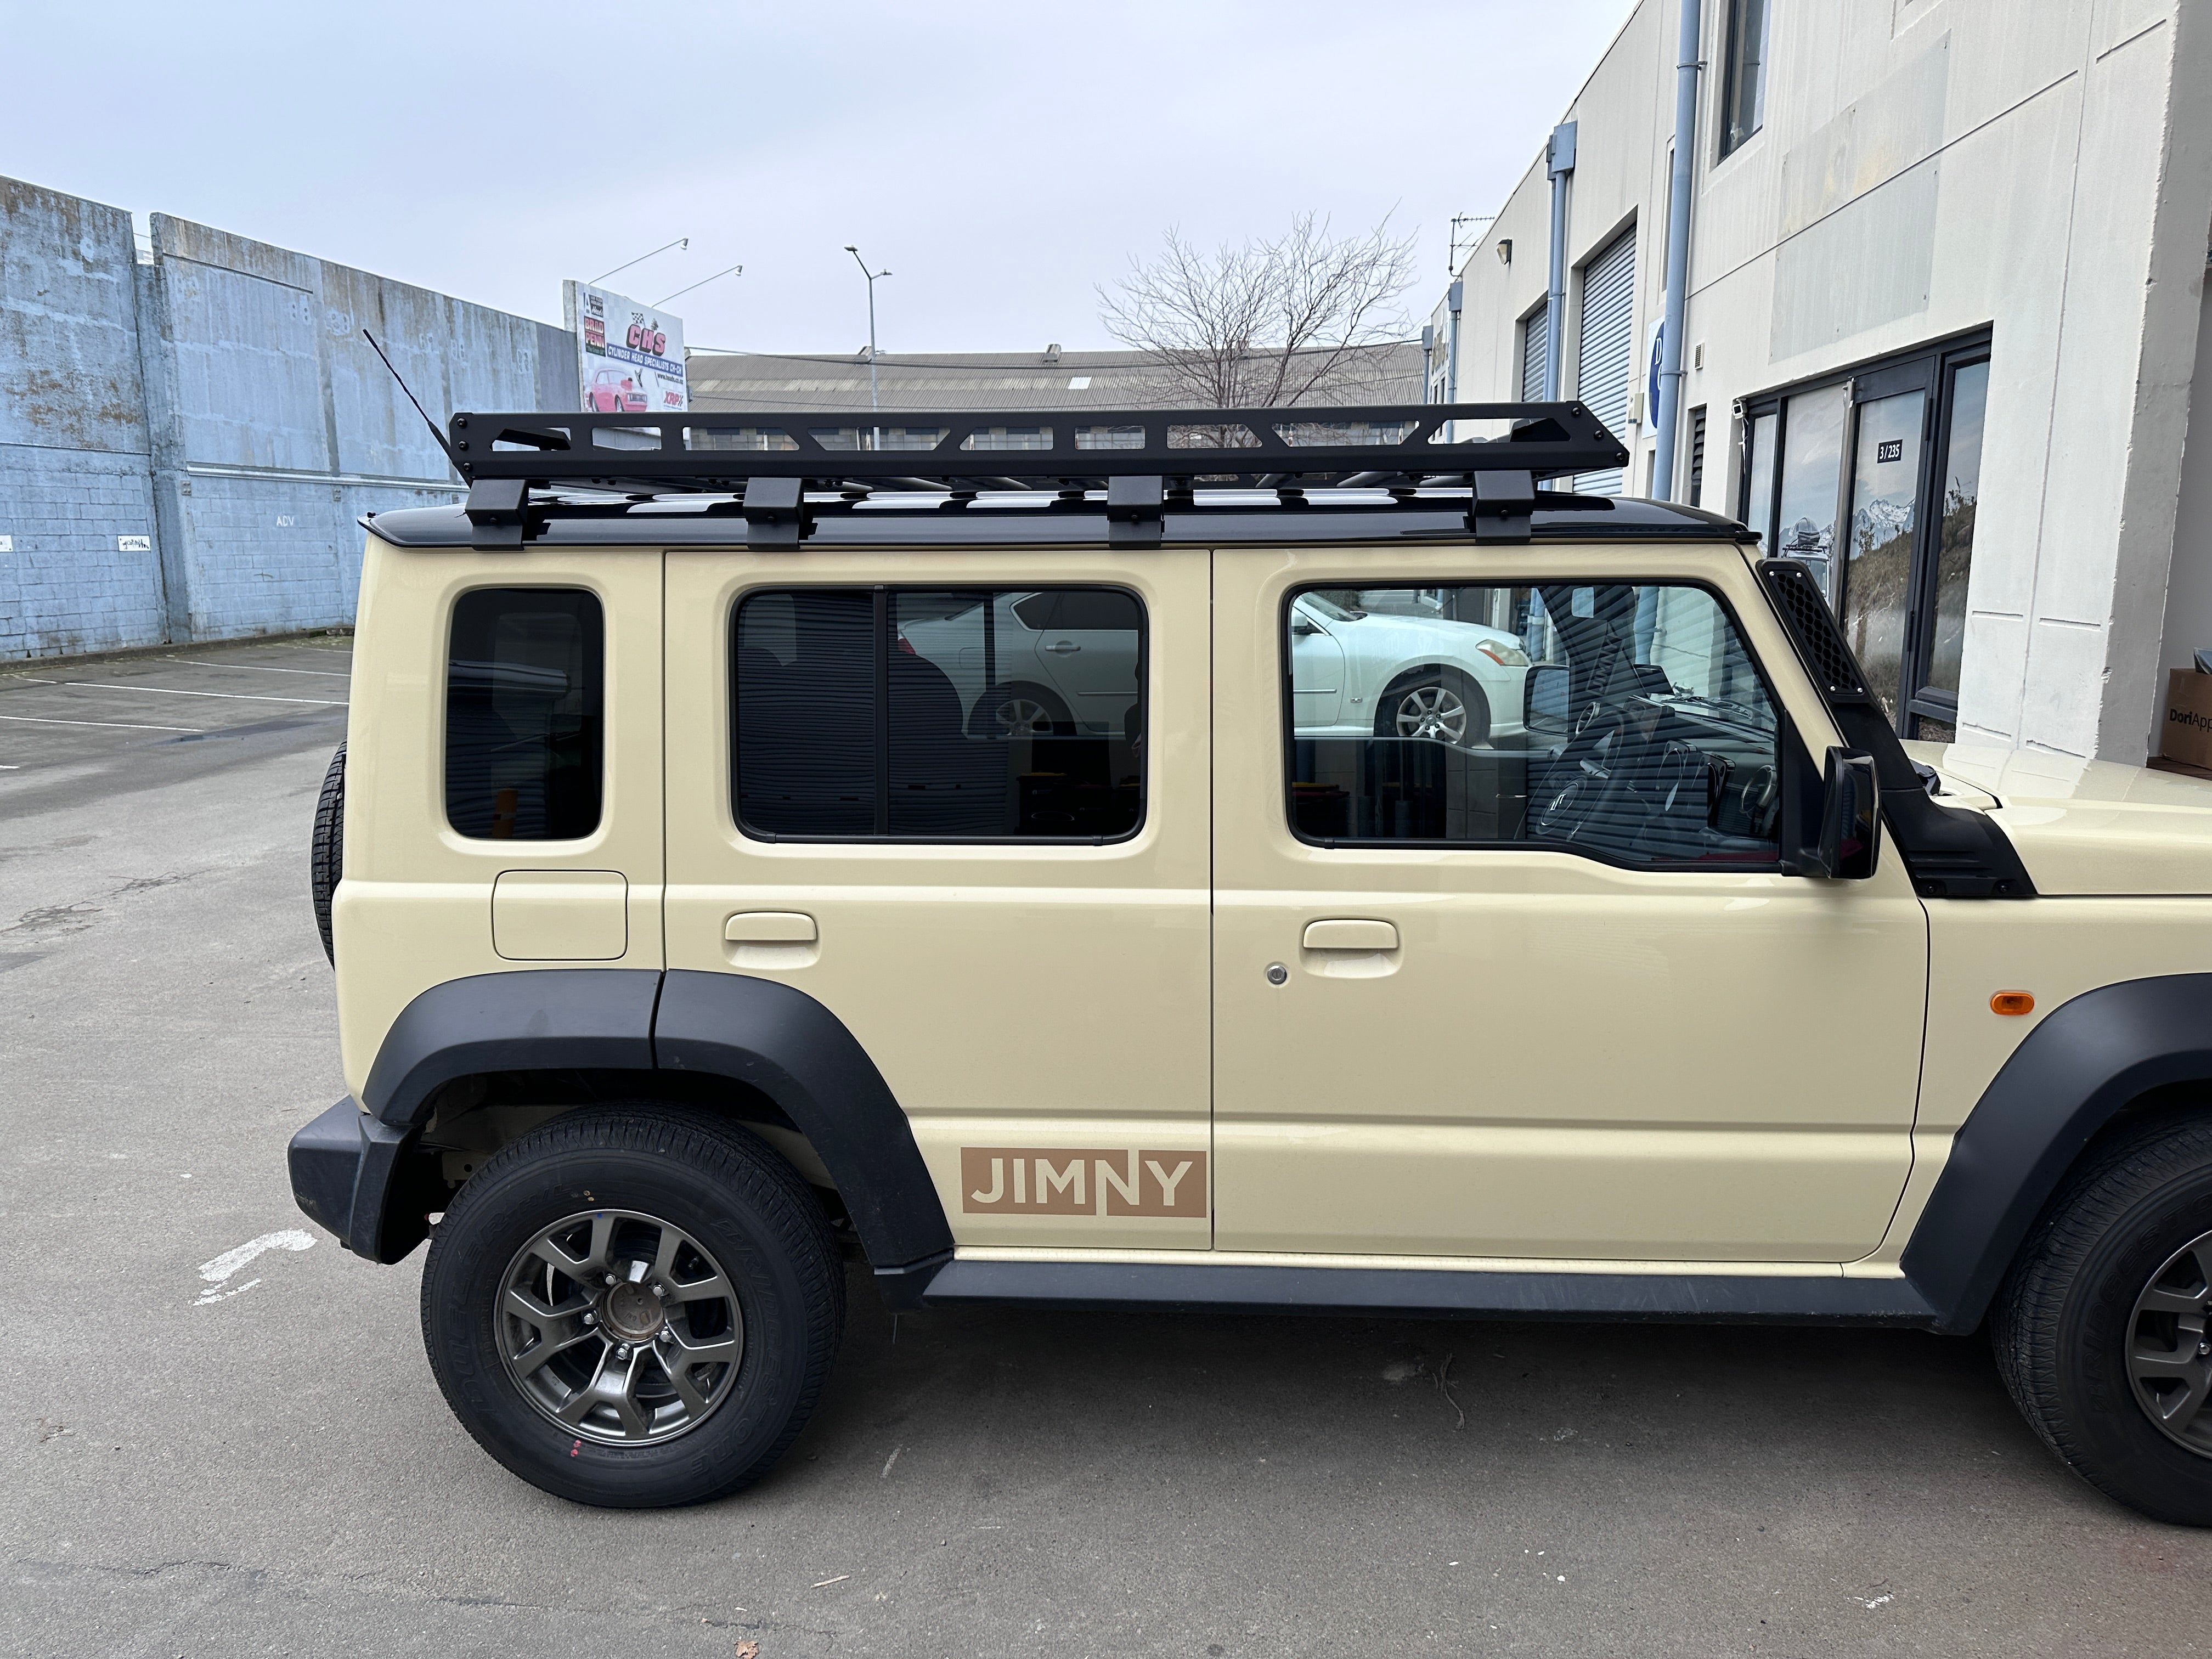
x: 914, y: 713
x: 525, y: 686
x: 1625, y: 722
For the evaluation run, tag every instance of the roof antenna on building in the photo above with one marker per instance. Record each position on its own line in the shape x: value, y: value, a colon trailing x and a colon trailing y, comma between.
x: 438, y: 436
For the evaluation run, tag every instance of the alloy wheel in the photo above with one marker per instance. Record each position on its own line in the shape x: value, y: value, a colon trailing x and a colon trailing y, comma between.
x: 2169, y: 1350
x: 1431, y: 711
x: 620, y: 1327
x: 1022, y: 717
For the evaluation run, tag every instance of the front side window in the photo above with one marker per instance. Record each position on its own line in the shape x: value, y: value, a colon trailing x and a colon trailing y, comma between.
x: 525, y: 686
x: 955, y: 713
x: 1622, y: 721
x: 1744, y: 94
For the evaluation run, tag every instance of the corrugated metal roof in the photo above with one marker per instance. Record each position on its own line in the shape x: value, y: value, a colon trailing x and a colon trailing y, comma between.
x: 1390, y: 373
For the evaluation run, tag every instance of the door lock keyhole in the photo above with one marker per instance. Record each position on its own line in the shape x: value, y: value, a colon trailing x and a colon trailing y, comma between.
x: 1277, y: 974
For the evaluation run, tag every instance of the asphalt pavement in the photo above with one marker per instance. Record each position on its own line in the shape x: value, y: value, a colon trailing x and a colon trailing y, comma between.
x: 221, y: 1436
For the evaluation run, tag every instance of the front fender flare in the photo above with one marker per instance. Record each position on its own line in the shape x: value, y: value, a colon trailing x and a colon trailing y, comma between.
x: 2071, y: 1075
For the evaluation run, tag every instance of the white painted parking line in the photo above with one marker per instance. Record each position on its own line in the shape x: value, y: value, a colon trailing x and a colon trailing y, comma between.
x: 173, y: 692
x: 110, y: 726
x: 258, y: 668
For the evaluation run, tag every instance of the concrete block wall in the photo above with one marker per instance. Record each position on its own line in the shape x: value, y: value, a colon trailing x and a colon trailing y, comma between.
x: 189, y: 435
x: 75, y: 471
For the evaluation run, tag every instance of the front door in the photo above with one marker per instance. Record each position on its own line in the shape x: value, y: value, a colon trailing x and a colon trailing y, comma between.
x: 1009, y: 914
x: 1549, y: 998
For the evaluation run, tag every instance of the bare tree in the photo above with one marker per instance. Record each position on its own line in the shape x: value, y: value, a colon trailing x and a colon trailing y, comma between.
x: 1269, y: 325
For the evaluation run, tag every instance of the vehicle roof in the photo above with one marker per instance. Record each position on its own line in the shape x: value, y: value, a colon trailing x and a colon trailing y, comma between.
x: 1027, y: 518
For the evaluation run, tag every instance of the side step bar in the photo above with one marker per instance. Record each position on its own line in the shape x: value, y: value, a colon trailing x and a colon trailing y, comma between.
x: 1418, y: 1293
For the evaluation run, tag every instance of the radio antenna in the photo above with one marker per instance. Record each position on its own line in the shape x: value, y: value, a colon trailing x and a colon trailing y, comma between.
x: 438, y: 436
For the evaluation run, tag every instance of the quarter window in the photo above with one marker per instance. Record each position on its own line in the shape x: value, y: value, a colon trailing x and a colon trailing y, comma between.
x: 525, y: 686
x: 1623, y: 721
x: 938, y: 713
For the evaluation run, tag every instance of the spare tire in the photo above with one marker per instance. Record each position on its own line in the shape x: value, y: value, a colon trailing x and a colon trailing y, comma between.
x: 326, y: 848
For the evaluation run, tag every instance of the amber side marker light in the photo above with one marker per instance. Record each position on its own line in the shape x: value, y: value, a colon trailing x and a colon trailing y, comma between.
x: 2012, y: 1002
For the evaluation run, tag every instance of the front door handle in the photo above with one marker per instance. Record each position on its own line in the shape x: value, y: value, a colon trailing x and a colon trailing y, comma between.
x: 1350, y: 935
x: 1063, y: 647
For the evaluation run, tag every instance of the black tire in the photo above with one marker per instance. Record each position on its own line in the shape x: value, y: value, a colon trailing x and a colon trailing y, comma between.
x: 326, y: 848
x: 1453, y: 680
x: 748, y: 1211
x: 2067, y: 1319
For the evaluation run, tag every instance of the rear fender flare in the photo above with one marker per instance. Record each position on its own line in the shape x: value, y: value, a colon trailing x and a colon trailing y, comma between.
x: 758, y: 1032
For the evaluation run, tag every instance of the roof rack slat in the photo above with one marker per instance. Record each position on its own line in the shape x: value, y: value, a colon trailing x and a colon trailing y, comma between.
x: 655, y: 452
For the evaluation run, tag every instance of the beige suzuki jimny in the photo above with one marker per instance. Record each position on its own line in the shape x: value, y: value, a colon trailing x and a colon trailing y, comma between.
x: 1225, y: 860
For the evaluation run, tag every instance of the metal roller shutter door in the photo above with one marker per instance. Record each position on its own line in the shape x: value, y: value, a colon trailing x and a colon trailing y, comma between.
x: 1605, y: 348
x: 1532, y: 354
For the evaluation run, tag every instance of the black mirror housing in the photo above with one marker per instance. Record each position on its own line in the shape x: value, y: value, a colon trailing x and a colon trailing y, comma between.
x: 1850, y: 818
x: 1544, y: 700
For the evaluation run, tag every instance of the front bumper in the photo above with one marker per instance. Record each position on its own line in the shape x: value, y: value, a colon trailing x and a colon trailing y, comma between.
x: 365, y: 1181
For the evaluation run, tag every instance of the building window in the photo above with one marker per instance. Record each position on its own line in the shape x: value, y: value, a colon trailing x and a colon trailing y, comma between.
x: 525, y: 682
x: 1625, y: 721
x: 1744, y: 89
x: 938, y: 714
x: 1891, y: 452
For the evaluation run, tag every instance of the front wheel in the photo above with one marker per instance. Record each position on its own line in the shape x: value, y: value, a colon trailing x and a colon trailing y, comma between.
x: 1441, y: 704
x: 633, y: 1306
x: 2101, y: 1331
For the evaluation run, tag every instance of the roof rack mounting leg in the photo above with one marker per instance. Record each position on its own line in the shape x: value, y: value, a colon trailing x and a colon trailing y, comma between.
x: 1136, y: 515
x: 776, y: 512
x: 498, y: 513
x: 1502, y: 504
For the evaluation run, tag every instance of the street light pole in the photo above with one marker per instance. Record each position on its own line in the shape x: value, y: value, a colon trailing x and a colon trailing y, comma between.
x: 876, y: 435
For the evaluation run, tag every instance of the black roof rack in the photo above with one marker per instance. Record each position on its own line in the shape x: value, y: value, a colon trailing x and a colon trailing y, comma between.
x: 1141, y: 459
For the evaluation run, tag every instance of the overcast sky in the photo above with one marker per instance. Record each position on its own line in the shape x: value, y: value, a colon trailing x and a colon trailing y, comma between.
x: 1000, y: 159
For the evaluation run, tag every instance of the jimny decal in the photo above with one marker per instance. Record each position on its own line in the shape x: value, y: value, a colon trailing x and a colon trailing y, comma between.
x: 1081, y: 1181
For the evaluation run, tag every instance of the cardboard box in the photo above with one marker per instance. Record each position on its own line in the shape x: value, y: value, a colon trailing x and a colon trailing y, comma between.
x: 2186, y: 734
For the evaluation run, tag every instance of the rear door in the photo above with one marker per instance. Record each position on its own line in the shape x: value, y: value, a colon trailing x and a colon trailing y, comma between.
x: 1012, y: 921
x: 1550, y: 999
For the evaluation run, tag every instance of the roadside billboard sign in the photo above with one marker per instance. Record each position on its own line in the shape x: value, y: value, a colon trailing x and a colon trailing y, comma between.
x: 629, y: 356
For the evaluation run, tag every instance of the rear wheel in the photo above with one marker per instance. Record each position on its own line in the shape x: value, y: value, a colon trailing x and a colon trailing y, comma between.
x: 1019, y: 711
x: 633, y: 1306
x: 2101, y: 1332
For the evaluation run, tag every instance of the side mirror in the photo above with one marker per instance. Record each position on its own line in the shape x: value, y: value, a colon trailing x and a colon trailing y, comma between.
x: 1544, y: 709
x: 1850, y: 817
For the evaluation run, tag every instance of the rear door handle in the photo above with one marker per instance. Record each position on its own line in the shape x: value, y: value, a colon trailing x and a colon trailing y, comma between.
x: 1349, y: 935
x: 770, y: 927
x: 1063, y: 647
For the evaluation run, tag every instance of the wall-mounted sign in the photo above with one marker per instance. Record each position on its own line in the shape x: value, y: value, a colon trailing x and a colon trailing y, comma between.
x: 629, y: 357
x: 1889, y: 449
x: 7, y: 543
x: 134, y: 543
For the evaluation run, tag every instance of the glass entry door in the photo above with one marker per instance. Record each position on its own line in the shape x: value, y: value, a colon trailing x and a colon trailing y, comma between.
x: 1877, y: 584
x: 1872, y: 478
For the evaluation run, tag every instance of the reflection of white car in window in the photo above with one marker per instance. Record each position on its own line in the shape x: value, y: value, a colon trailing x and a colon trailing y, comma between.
x: 1063, y: 660
x: 1362, y: 673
